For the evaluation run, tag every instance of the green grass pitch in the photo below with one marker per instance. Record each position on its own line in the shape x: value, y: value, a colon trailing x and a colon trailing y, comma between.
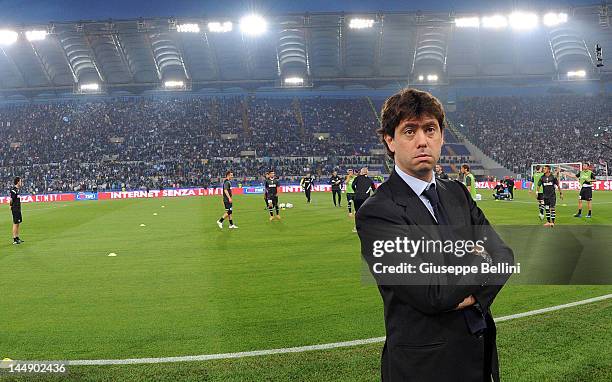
x: 181, y: 286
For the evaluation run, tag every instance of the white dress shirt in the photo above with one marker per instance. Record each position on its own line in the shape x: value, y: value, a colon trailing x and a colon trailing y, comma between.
x: 418, y: 186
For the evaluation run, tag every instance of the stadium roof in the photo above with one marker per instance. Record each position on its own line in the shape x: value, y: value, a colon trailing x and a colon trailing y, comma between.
x: 369, y: 49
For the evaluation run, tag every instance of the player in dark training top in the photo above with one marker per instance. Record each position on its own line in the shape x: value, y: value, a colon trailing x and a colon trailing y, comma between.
x: 548, y: 182
x: 272, y: 185
x: 585, y: 177
x: 265, y: 193
x: 363, y: 186
x: 227, y: 201
x: 306, y: 183
x: 336, y: 186
x: 15, y: 204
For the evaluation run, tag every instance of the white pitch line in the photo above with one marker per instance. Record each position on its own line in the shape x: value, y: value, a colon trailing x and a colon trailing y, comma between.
x: 300, y: 349
x: 534, y: 202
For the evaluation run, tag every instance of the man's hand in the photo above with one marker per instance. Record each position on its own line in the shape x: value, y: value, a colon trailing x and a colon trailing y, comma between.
x: 229, y: 200
x: 468, y: 301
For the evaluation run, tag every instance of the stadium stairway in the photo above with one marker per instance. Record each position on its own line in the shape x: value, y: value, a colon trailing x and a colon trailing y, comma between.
x: 373, y: 108
x: 491, y: 167
x: 297, y: 110
x: 216, y: 115
x: 244, y: 105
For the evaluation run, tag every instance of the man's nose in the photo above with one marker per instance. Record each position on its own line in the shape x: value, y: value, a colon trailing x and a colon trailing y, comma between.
x: 420, y: 138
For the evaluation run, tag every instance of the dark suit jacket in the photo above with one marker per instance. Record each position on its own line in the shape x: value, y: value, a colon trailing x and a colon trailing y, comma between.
x: 427, y: 339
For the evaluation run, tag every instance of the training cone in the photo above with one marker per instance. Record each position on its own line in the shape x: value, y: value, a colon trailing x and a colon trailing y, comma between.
x: 5, y: 363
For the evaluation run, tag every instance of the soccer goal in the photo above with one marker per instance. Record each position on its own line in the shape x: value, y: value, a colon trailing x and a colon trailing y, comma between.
x: 563, y: 171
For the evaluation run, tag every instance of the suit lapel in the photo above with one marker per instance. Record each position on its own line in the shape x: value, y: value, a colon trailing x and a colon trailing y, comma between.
x: 405, y: 197
x: 450, y: 204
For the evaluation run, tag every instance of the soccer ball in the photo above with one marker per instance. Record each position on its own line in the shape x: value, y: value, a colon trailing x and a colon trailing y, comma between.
x: 289, y: 205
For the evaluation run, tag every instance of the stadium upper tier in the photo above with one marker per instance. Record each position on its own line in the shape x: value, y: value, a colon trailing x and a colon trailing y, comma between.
x: 314, y: 49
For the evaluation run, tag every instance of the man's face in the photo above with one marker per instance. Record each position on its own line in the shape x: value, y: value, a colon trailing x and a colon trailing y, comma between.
x: 547, y: 170
x: 417, y: 144
x: 438, y: 168
x: 334, y: 173
x: 230, y: 176
x: 272, y: 174
x: 350, y: 172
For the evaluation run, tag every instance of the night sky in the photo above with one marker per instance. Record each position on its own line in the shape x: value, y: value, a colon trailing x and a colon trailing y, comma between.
x: 15, y: 12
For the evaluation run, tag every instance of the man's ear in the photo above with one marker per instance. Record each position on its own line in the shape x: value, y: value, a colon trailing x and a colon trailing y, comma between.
x: 390, y: 142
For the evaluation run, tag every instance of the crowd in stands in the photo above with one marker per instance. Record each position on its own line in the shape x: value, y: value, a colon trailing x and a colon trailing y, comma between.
x: 134, y: 143
x: 144, y: 142
x: 520, y: 131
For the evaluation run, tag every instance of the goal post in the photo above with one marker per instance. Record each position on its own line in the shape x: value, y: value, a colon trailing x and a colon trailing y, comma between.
x: 565, y: 171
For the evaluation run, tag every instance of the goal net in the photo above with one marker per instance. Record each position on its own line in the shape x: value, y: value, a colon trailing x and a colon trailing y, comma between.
x: 563, y: 171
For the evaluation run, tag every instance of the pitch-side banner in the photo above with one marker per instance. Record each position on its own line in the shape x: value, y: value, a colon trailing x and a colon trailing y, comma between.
x: 167, y: 193
x: 186, y: 192
x: 600, y: 185
x: 43, y: 198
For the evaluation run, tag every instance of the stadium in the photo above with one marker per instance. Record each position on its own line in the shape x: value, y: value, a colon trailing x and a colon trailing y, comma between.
x: 126, y: 138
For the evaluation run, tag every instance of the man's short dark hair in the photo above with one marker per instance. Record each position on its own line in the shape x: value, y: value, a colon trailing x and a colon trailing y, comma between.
x: 16, y: 180
x: 466, y: 166
x: 228, y: 172
x: 407, y: 104
x: 538, y: 168
x: 547, y: 167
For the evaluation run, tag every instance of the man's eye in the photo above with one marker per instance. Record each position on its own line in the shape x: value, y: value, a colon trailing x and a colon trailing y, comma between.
x: 409, y: 131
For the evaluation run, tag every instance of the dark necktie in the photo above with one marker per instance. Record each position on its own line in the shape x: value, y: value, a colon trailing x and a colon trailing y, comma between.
x: 432, y: 195
x: 473, y: 315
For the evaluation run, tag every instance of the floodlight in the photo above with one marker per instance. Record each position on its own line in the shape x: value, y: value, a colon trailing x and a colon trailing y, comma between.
x: 297, y: 81
x: 361, y: 23
x: 217, y: 27
x: 36, y: 35
x: 7, y: 37
x: 551, y: 19
x: 496, y: 21
x: 576, y: 74
x: 188, y: 28
x: 421, y: 78
x: 171, y: 84
x: 432, y: 77
x: 467, y: 22
x: 253, y: 25
x: 523, y: 21
x: 90, y: 87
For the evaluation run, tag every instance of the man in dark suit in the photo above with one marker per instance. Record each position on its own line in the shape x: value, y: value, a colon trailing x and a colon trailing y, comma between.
x: 439, y: 326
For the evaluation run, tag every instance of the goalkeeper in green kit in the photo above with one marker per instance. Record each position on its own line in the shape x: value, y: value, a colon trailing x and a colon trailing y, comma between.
x: 585, y: 177
x: 539, y: 194
x: 350, y: 193
x: 469, y: 180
